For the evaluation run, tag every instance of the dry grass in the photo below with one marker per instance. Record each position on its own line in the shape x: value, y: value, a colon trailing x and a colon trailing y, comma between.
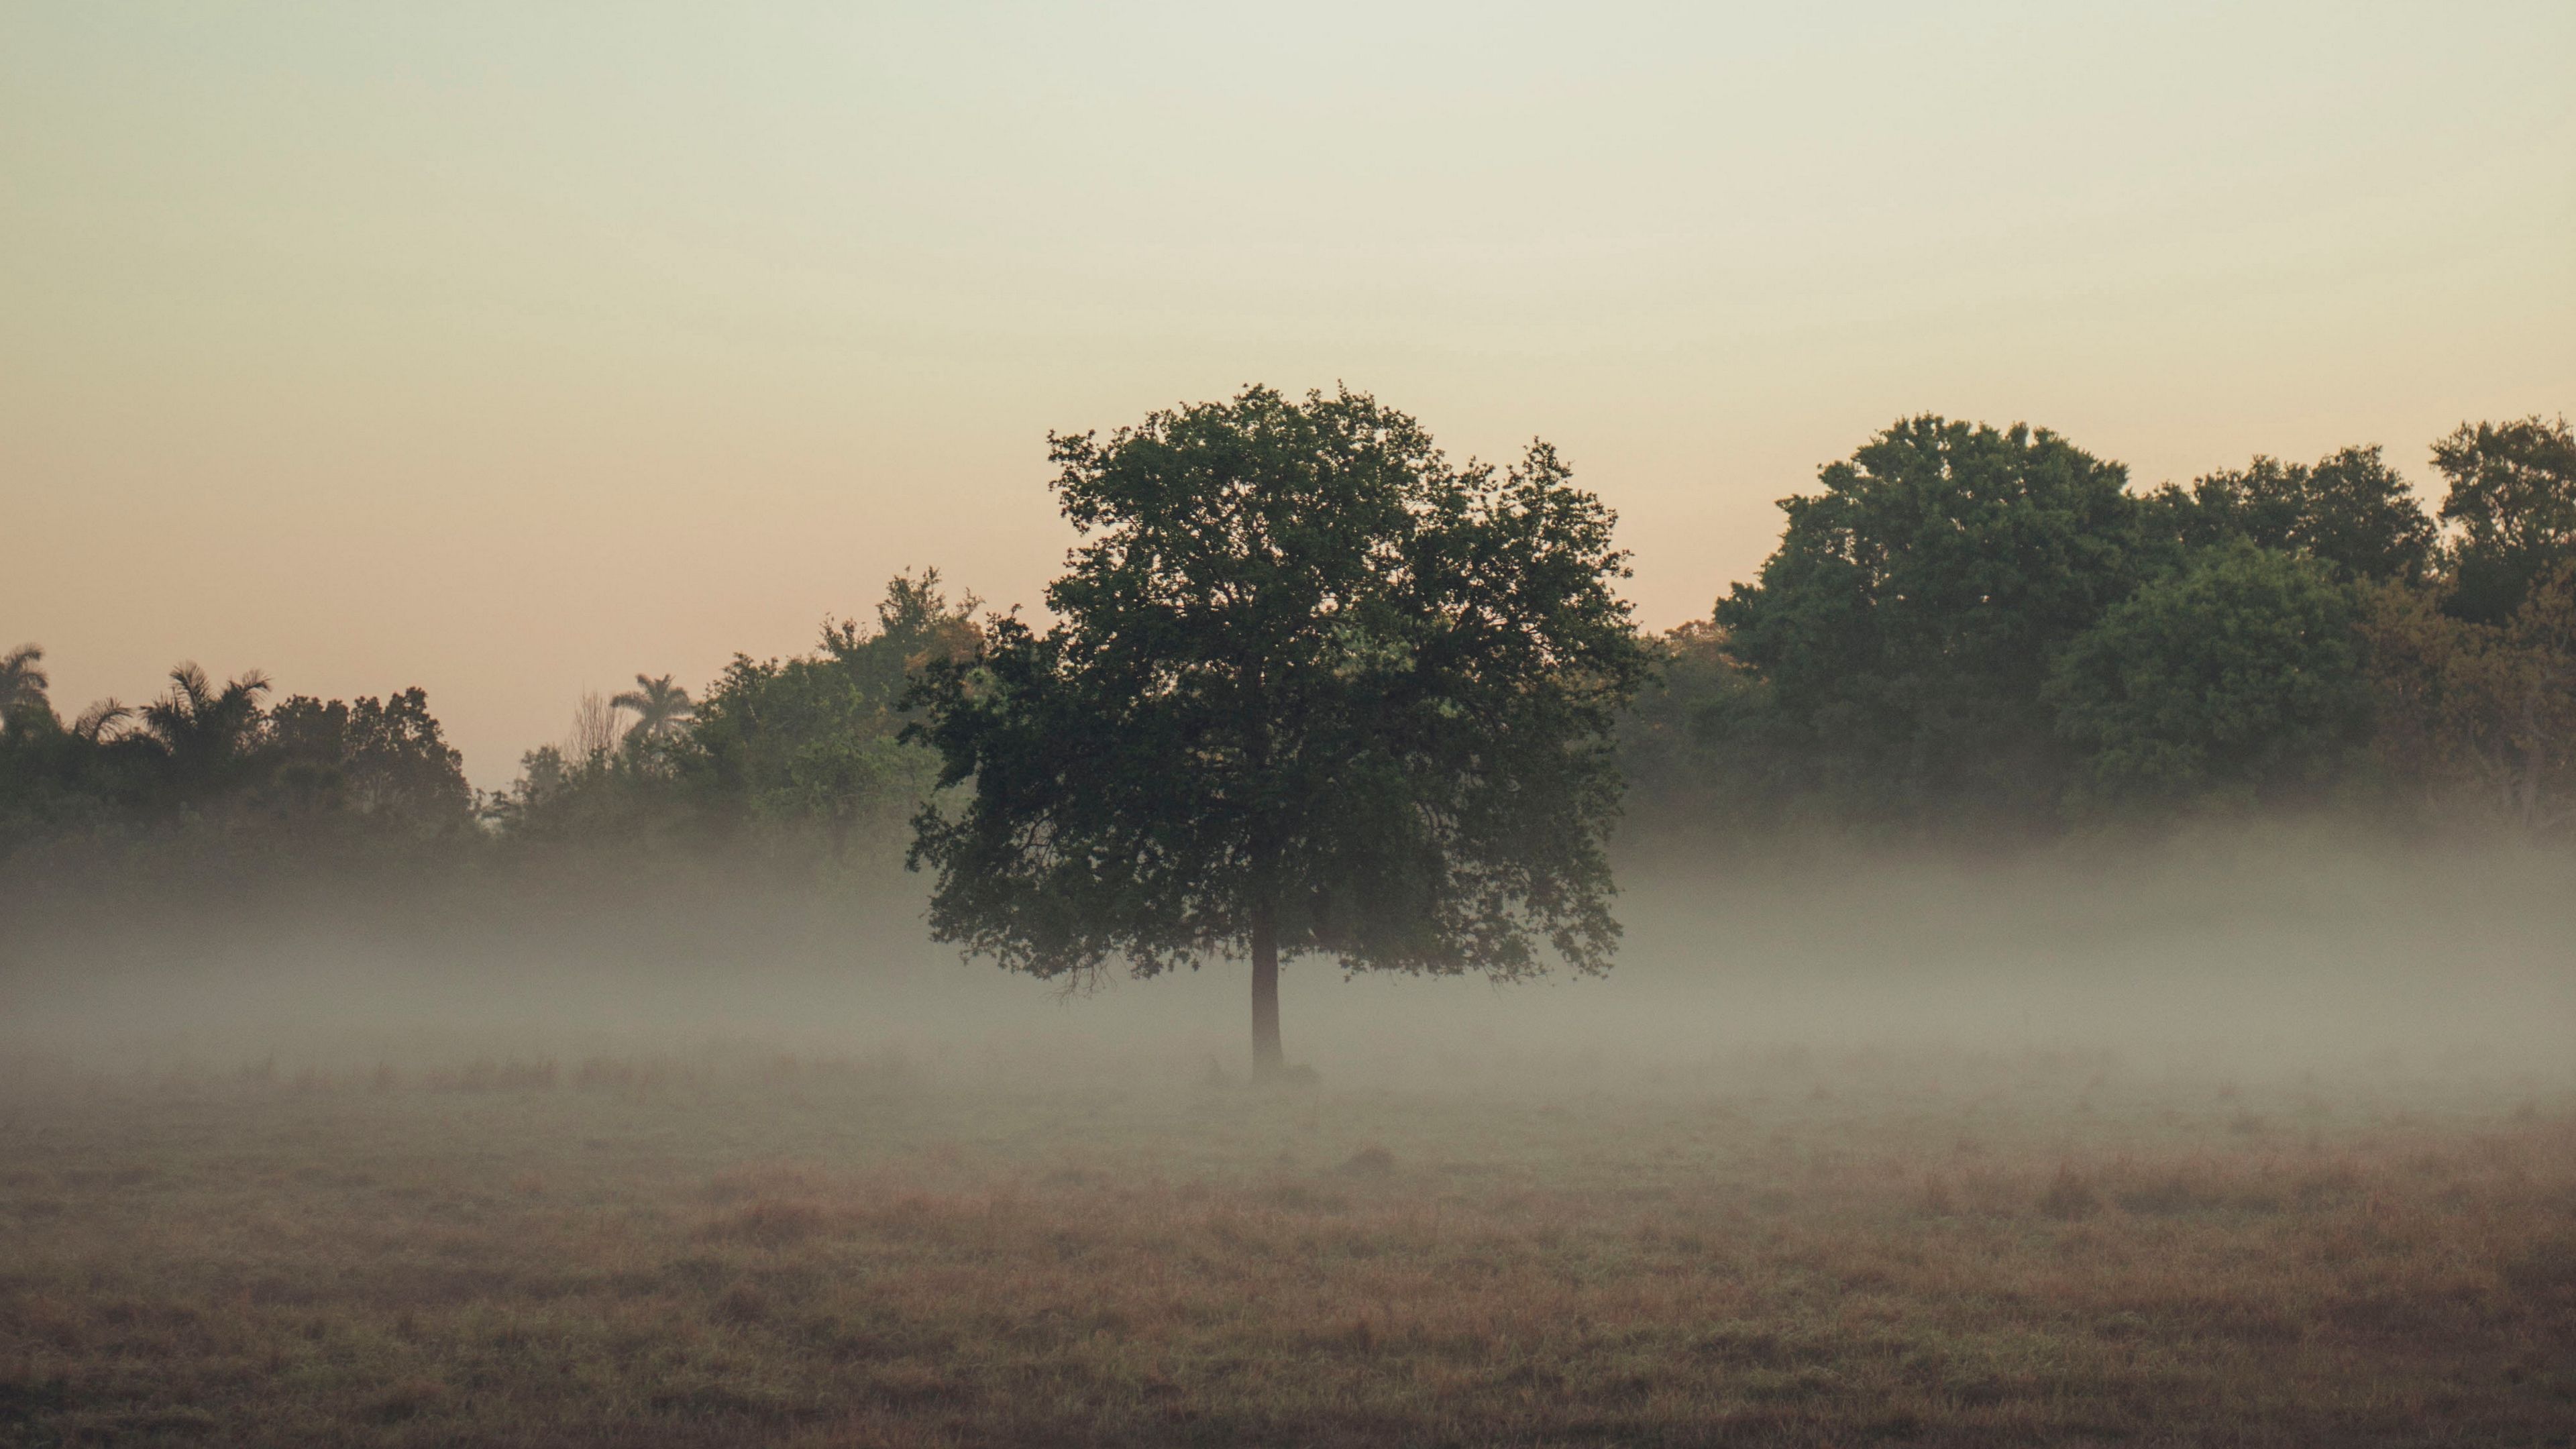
x: 2040, y: 1250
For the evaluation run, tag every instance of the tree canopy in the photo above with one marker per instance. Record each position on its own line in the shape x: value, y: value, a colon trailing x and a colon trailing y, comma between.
x: 659, y: 707
x: 1311, y: 689
x: 2236, y: 678
x: 2513, y: 499
x: 2351, y: 511
x: 817, y: 739
x: 208, y: 754
x: 1907, y: 623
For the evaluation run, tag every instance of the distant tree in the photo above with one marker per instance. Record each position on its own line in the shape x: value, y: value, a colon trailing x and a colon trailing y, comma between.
x: 659, y: 707
x: 2236, y: 680
x: 528, y: 808
x: 594, y: 728
x: 23, y: 683
x: 816, y: 740
x: 196, y: 746
x: 40, y: 763
x: 2475, y: 713
x: 306, y: 738
x: 2538, y: 695
x: 2513, y: 502
x: 206, y: 735
x: 384, y: 761
x: 916, y: 626
x: 1311, y: 689
x: 1699, y: 746
x: 1908, y: 620
x: 586, y: 791
x: 275, y: 775
x: 2351, y: 510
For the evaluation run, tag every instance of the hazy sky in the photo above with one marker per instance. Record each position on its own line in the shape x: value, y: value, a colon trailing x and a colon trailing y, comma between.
x: 510, y: 349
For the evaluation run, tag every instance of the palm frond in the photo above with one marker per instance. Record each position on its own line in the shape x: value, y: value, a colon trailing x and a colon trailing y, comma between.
x: 22, y: 670
x: 189, y: 683
x: 95, y: 721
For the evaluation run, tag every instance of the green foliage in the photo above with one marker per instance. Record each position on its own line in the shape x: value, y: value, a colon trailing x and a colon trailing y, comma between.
x: 2513, y: 500
x: 788, y: 754
x: 816, y: 741
x: 594, y: 798
x: 2480, y: 718
x: 1907, y: 622
x: 1699, y: 748
x: 2236, y: 680
x: 1308, y: 678
x: 2351, y: 511
x: 1311, y: 679
x: 207, y: 758
x: 58, y: 780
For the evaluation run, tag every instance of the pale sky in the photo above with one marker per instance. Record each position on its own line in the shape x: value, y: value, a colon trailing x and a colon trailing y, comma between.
x: 510, y: 349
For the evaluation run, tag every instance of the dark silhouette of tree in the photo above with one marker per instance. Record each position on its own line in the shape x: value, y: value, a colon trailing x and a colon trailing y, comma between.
x: 23, y: 683
x: 1312, y: 689
x: 304, y: 774
x: 659, y: 705
x: 2513, y: 500
x: 2351, y: 510
x: 99, y: 723
x: 206, y: 734
x: 1909, y: 619
x: 383, y: 761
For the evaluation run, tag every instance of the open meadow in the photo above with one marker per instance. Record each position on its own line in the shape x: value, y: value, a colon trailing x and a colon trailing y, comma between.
x: 1938, y: 1158
x: 1815, y: 1248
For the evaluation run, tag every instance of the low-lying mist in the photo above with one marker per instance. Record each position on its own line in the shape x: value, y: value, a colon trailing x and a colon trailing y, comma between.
x: 2259, y: 1137
x: 2246, y: 953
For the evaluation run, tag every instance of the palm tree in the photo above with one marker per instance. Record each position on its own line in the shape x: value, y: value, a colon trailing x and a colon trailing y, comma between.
x: 203, y: 729
x: 659, y: 707
x: 23, y: 682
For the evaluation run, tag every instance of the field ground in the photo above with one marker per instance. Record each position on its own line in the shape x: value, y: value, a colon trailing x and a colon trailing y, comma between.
x: 724, y: 1246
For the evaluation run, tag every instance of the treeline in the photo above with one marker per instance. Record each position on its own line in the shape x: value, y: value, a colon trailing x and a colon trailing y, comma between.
x: 1972, y: 630
x: 798, y: 756
x: 209, y: 764
x: 1968, y: 631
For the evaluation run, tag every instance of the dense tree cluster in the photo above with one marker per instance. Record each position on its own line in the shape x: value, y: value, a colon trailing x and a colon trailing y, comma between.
x: 1972, y: 630
x: 210, y: 760
x: 1964, y: 630
x: 793, y: 750
x: 801, y: 751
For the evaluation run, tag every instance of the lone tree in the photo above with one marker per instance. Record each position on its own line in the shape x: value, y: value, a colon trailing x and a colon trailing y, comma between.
x: 1312, y: 689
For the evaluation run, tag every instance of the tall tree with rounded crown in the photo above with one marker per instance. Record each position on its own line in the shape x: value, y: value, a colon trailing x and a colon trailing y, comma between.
x: 1312, y: 689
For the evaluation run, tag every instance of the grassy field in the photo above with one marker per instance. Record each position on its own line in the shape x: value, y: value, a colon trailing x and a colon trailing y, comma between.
x: 1774, y: 1248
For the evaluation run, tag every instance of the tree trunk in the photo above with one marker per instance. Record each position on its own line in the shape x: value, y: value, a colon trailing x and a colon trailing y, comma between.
x: 2534, y: 758
x: 1267, y: 1063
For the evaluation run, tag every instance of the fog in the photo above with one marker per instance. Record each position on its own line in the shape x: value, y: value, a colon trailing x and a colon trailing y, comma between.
x: 2253, y: 953
x: 2259, y: 1136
